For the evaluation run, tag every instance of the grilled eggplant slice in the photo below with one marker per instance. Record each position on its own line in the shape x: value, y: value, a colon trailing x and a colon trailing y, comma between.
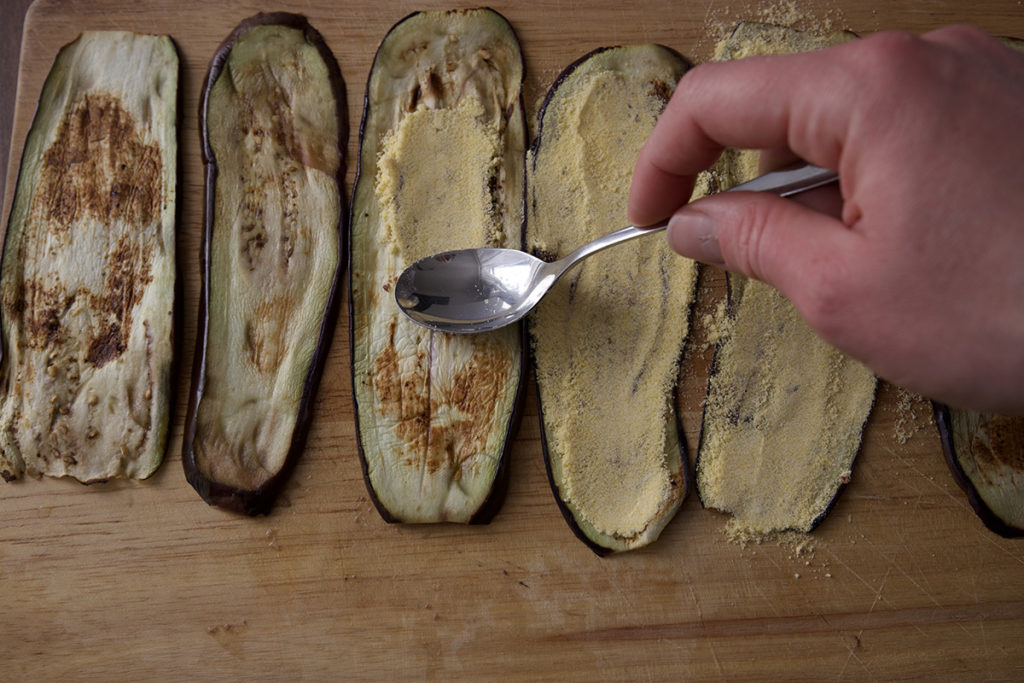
x: 608, y: 338
x: 985, y: 452
x: 88, y: 276
x: 784, y: 412
x: 441, y: 166
x: 274, y: 129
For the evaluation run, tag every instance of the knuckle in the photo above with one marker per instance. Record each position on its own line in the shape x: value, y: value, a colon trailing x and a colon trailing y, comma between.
x: 696, y: 80
x: 961, y: 34
x: 890, y: 68
x: 743, y: 242
x: 891, y: 48
x: 883, y: 65
x: 754, y: 244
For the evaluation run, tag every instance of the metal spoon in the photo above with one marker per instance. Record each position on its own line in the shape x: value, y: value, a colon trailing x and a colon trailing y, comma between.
x: 476, y: 290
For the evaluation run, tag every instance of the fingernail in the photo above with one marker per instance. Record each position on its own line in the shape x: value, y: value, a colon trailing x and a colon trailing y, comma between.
x: 695, y: 234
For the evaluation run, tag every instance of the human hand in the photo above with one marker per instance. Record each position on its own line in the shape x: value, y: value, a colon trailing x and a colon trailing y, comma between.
x: 915, y: 263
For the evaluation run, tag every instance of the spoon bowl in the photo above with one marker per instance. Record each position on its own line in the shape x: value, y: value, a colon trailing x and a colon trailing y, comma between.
x: 477, y: 290
x: 473, y: 290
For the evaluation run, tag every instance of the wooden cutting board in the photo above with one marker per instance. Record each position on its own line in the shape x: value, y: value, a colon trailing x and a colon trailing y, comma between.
x: 144, y: 580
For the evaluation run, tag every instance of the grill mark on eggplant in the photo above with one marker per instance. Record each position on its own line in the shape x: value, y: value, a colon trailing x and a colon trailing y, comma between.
x: 401, y: 399
x: 999, y: 442
x: 276, y: 107
x: 96, y: 156
x: 472, y: 393
x: 99, y: 140
x: 411, y: 401
x: 128, y: 273
x: 661, y: 90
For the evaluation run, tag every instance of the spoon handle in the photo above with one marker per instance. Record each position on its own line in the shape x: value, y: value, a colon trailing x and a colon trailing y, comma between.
x: 601, y: 243
x: 784, y: 182
x: 789, y: 180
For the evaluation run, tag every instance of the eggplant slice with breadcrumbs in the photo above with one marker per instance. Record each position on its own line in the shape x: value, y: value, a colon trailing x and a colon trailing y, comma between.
x: 274, y: 129
x: 785, y: 412
x: 87, y: 286
x: 607, y: 340
x: 441, y: 167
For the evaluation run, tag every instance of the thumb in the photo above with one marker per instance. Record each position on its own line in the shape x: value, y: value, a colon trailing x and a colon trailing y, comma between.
x: 785, y: 243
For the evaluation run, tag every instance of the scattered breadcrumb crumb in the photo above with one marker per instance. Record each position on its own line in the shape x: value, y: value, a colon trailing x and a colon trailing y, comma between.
x: 716, y: 325
x: 913, y: 414
x: 721, y: 20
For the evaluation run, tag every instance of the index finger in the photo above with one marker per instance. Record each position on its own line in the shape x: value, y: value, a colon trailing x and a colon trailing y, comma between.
x: 774, y: 102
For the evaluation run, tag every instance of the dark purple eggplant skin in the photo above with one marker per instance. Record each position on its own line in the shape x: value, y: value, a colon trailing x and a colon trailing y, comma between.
x: 730, y: 310
x: 992, y: 521
x: 261, y: 500
x: 685, y: 470
x: 491, y: 505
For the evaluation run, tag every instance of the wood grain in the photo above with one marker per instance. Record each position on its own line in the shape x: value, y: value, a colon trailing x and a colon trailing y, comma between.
x: 144, y: 580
